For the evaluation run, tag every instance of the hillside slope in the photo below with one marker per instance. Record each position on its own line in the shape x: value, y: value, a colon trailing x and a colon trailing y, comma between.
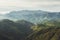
x: 10, y: 30
x: 46, y: 34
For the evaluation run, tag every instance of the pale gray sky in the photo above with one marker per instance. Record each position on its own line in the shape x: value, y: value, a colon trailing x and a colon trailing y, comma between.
x: 11, y: 5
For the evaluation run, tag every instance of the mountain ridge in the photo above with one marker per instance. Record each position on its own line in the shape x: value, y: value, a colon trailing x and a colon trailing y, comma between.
x: 32, y: 16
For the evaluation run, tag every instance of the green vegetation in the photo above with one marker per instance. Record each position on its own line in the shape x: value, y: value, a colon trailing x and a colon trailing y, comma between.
x: 46, y: 34
x: 10, y: 30
x: 24, y: 30
x: 49, y: 30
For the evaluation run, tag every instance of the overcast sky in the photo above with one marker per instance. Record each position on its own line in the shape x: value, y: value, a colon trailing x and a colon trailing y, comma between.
x: 11, y: 5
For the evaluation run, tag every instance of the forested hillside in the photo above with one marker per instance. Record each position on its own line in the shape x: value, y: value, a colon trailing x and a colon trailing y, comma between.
x: 10, y: 30
x: 24, y: 30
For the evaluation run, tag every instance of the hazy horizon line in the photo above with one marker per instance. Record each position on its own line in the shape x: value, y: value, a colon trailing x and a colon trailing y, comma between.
x: 5, y: 12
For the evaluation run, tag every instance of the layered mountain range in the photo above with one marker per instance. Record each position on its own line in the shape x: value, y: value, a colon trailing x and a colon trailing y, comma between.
x: 31, y: 15
x: 19, y: 25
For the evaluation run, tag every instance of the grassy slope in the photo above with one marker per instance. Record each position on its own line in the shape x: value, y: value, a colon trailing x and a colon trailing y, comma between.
x: 46, y: 34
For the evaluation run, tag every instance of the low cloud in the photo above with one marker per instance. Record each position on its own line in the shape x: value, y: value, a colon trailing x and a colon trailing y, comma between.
x: 10, y: 5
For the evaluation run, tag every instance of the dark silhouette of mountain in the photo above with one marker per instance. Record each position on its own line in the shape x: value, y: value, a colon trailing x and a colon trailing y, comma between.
x: 10, y: 30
